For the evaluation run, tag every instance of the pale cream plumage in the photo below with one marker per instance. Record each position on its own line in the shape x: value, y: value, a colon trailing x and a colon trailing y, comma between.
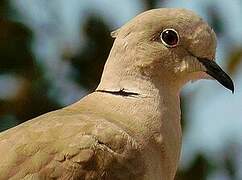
x: 129, y: 128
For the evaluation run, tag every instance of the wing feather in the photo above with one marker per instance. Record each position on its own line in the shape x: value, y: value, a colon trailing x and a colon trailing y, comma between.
x: 63, y: 145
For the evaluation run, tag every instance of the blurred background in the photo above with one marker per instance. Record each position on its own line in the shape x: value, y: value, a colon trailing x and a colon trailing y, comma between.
x: 52, y: 53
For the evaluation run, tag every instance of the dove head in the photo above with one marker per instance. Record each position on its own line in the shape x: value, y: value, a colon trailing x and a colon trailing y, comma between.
x: 162, y: 48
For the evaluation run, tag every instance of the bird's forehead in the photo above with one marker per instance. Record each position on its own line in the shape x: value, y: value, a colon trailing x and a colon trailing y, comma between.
x: 182, y: 20
x: 169, y: 13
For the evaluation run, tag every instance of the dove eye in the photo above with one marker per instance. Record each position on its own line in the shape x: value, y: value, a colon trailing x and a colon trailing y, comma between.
x: 169, y: 37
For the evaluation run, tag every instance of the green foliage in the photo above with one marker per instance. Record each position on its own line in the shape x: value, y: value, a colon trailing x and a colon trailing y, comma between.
x: 15, y: 53
x: 199, y: 169
x: 7, y: 122
x: 18, y: 60
x: 89, y: 63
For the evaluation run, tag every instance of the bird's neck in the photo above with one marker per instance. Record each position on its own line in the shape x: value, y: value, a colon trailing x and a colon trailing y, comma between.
x: 134, y: 82
x: 148, y: 95
x: 150, y: 104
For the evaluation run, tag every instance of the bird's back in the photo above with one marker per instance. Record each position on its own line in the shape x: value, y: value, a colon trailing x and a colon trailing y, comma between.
x: 69, y: 144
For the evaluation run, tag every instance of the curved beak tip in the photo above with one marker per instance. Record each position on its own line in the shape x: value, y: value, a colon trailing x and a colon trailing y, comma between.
x: 230, y: 86
x: 232, y: 89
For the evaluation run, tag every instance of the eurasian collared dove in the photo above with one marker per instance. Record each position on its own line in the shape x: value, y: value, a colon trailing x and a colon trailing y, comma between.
x: 129, y: 128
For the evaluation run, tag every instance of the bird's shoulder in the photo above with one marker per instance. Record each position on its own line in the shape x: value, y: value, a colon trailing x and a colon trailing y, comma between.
x: 66, y: 144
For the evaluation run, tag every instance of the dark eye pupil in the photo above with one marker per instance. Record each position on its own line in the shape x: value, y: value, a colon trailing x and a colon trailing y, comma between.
x: 169, y: 37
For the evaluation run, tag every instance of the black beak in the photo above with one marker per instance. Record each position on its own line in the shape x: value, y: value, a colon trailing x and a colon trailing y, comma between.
x: 213, y: 69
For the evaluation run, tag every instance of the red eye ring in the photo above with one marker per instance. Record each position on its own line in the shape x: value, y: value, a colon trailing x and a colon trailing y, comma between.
x: 169, y: 37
